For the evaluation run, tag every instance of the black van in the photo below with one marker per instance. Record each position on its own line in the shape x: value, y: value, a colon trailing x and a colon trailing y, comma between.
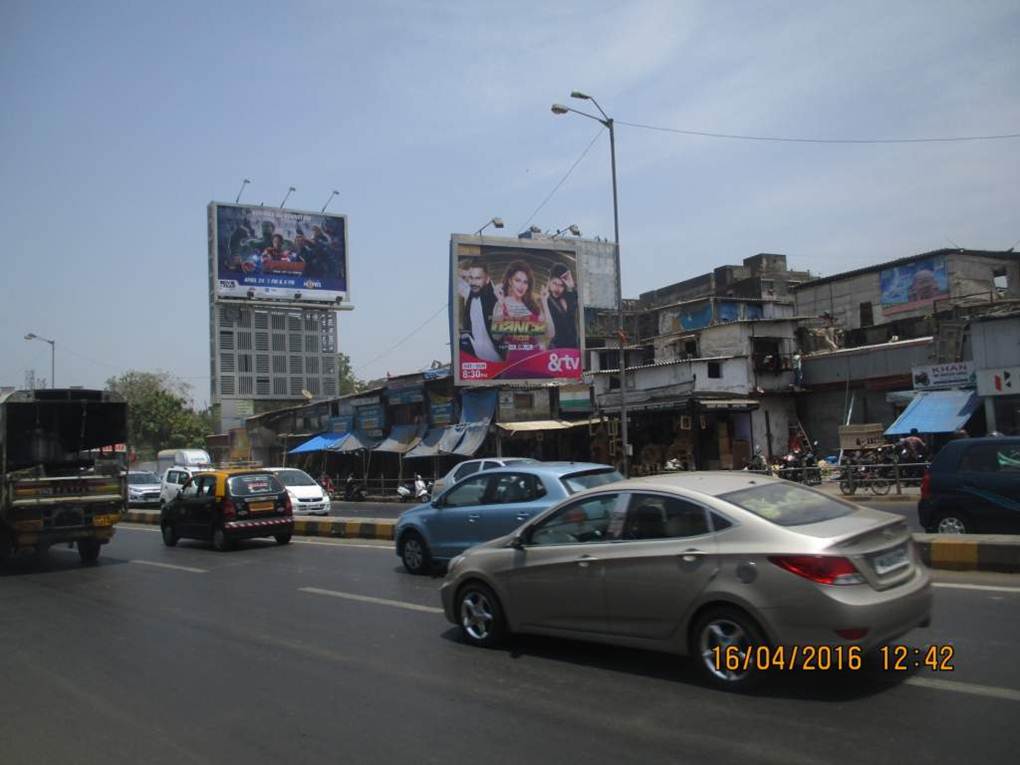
x: 973, y: 486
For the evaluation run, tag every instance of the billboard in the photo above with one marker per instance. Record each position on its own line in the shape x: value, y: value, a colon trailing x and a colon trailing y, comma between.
x: 958, y: 374
x: 516, y: 308
x: 269, y: 253
x: 913, y: 285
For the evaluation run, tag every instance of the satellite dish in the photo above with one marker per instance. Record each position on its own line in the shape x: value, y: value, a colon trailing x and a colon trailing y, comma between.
x: 307, y: 394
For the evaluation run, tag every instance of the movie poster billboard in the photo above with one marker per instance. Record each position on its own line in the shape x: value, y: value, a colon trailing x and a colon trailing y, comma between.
x: 516, y: 311
x: 270, y: 253
x: 913, y: 285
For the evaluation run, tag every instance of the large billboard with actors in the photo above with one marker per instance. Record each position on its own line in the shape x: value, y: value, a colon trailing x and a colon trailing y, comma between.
x: 913, y: 285
x: 276, y: 254
x: 516, y: 310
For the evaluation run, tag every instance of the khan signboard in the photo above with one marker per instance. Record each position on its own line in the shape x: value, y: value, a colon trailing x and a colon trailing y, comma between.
x: 957, y: 375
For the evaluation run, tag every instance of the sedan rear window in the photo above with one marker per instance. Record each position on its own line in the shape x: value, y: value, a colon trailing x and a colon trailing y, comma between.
x: 787, y: 504
x: 576, y: 482
x: 249, y: 485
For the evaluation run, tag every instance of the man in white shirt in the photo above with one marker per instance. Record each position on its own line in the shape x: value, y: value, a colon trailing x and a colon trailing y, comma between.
x: 479, y: 297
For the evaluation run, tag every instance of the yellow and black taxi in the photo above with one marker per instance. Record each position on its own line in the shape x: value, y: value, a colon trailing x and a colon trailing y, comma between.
x: 223, y: 506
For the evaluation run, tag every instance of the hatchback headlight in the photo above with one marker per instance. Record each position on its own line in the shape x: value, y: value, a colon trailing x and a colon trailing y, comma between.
x: 455, y: 564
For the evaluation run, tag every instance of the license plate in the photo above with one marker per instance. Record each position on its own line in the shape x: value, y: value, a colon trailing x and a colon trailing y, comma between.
x: 260, y: 507
x: 892, y: 560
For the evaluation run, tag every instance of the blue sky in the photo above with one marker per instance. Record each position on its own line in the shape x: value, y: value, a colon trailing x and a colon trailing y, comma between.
x: 123, y: 120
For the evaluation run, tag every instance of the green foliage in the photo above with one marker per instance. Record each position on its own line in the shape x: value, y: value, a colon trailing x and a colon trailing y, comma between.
x: 348, y: 383
x: 160, y: 414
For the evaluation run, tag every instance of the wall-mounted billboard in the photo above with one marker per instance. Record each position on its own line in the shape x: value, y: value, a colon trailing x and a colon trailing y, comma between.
x: 516, y: 311
x: 913, y: 285
x: 269, y: 253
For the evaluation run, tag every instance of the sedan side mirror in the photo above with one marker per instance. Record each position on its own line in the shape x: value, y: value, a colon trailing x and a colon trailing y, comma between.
x: 517, y: 542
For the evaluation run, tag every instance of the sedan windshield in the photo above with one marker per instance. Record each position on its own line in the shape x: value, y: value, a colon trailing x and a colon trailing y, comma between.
x: 295, y: 478
x: 143, y: 478
x: 787, y: 504
x: 580, y: 481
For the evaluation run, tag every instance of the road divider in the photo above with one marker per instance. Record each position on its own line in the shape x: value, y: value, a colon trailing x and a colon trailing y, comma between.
x: 957, y: 552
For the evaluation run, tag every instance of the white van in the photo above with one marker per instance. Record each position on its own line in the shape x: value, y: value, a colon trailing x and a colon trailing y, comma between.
x: 192, y: 458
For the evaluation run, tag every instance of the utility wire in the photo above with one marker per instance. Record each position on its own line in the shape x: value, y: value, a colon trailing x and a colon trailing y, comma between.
x: 780, y: 139
x: 564, y: 178
x: 403, y: 340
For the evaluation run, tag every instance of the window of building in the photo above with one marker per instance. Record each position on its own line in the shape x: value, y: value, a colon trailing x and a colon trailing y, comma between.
x: 867, y: 315
x: 1001, y: 279
x: 524, y: 401
x: 714, y: 370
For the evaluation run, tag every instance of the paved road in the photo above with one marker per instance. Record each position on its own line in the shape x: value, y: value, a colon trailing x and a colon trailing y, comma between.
x: 325, y: 651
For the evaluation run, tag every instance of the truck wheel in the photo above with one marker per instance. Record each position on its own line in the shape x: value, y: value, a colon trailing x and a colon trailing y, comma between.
x: 88, y: 551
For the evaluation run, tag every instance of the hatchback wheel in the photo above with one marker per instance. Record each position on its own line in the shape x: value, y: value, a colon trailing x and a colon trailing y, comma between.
x: 221, y: 541
x: 480, y: 615
x: 721, y: 641
x: 951, y: 523
x: 169, y: 535
x: 415, y: 554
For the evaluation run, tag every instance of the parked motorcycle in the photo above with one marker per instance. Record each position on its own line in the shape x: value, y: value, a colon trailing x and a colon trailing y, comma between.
x: 405, y: 493
x: 422, y: 490
x: 353, y: 491
x: 758, y: 463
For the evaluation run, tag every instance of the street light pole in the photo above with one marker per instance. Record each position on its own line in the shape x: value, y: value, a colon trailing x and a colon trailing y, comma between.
x: 53, y: 355
x: 608, y: 122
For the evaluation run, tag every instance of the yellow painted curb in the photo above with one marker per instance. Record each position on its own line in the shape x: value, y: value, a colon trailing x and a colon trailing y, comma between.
x: 954, y: 555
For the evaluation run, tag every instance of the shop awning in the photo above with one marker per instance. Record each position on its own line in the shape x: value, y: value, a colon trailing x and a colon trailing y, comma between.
x: 937, y: 411
x: 354, y: 442
x: 532, y: 425
x: 477, y: 410
x: 401, y: 439
x: 319, y: 443
x: 474, y: 437
x: 429, y: 444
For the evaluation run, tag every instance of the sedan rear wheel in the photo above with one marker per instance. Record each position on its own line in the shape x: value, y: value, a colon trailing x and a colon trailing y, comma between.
x: 951, y: 523
x: 725, y: 640
x: 481, y: 618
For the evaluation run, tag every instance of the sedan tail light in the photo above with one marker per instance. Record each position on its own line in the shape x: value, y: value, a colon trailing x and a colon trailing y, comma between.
x: 288, y: 506
x: 229, y: 509
x: 926, y: 485
x: 824, y: 569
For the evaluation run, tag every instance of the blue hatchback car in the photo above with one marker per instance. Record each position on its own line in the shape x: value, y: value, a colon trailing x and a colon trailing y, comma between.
x: 487, y: 505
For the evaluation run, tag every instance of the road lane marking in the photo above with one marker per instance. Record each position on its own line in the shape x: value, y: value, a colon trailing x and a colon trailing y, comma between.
x: 981, y: 587
x: 368, y: 599
x: 342, y: 543
x: 170, y: 565
x: 956, y: 686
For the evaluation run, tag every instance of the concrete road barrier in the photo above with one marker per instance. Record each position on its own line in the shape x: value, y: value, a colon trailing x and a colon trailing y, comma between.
x: 958, y: 552
x: 307, y: 526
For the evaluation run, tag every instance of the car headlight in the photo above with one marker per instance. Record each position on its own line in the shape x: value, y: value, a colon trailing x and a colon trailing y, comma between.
x: 455, y: 564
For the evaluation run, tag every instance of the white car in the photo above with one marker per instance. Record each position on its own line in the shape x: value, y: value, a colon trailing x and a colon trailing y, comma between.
x: 466, y: 468
x: 144, y: 488
x: 173, y: 481
x: 305, y: 493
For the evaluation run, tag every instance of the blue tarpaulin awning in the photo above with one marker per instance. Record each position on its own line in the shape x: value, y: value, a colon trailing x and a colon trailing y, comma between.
x: 936, y: 411
x: 318, y: 443
x: 401, y: 438
x: 428, y: 446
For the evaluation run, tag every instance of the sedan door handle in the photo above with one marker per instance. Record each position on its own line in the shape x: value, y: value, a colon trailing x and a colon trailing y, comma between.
x: 473, y: 517
x: 689, y: 556
x: 585, y: 560
x: 523, y: 516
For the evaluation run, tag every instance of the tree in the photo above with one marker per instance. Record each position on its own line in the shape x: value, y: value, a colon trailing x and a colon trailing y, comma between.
x: 160, y: 412
x: 348, y: 382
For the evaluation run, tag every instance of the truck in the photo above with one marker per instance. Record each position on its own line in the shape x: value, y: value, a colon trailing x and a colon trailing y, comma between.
x: 189, y: 458
x: 62, y: 479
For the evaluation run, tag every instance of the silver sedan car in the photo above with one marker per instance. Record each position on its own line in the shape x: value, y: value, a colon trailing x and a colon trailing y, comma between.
x: 745, y: 572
